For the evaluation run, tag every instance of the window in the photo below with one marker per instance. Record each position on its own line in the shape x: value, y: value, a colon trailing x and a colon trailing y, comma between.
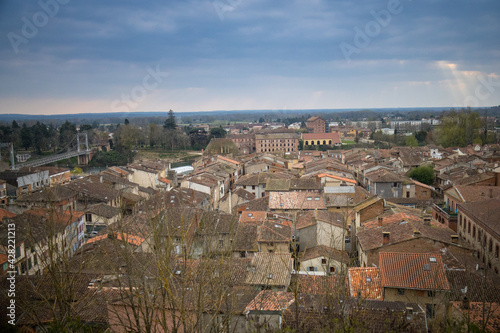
x: 395, y: 185
x: 88, y: 217
x: 424, y: 194
x: 18, y: 252
x: 253, y: 187
x: 431, y: 293
x: 401, y: 291
x: 323, y: 261
x: 35, y: 260
x: 29, y: 263
x: 312, y: 269
x: 332, y: 269
x: 430, y: 310
x: 497, y: 250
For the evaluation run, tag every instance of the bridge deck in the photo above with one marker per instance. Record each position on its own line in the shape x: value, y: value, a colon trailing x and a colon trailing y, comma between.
x: 52, y: 158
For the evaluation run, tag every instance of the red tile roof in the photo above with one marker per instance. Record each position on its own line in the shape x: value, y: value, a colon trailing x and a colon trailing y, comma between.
x: 336, y: 177
x: 253, y: 216
x: 413, y: 271
x: 6, y: 213
x: 366, y: 283
x: 132, y: 239
x: 268, y: 300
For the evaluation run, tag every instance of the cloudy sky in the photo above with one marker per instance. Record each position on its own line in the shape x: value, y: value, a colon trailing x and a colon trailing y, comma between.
x: 69, y: 56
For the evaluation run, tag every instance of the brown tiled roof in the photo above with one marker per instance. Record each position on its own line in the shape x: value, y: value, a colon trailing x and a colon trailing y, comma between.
x: 244, y: 194
x: 324, y: 251
x: 413, y: 271
x: 246, y: 238
x: 475, y: 314
x: 322, y: 136
x: 260, y: 204
x: 268, y: 300
x: 296, y: 200
x: 316, y: 284
x: 252, y: 216
x: 183, y: 197
x: 473, y: 285
x: 401, y: 227
x: 103, y: 210
x: 479, y: 177
x: 271, y: 269
x: 486, y: 211
x: 365, y: 282
x: 384, y: 176
x: 477, y: 193
x: 49, y: 194
x: 273, y: 232
x: 6, y: 213
x: 93, y: 189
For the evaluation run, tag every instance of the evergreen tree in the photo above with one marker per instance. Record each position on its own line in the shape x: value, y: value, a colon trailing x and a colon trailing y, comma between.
x: 170, y: 121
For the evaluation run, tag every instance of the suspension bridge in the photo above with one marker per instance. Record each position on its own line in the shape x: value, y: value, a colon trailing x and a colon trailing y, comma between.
x: 80, y: 150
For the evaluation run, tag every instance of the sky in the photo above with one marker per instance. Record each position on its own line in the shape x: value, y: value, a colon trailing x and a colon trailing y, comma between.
x: 69, y: 56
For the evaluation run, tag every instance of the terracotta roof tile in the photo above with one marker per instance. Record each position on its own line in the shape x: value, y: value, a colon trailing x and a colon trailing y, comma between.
x: 268, y: 300
x: 296, y: 200
x: 413, y: 271
x: 365, y: 282
x: 271, y: 269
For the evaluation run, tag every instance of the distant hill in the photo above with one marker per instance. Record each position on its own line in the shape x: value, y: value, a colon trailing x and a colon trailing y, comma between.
x: 120, y: 116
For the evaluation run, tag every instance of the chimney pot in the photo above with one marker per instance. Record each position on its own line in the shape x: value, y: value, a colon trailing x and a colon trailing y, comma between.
x: 386, y: 238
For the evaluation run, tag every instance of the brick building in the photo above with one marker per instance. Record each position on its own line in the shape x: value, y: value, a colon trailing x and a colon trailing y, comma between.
x: 317, y: 124
x: 274, y: 142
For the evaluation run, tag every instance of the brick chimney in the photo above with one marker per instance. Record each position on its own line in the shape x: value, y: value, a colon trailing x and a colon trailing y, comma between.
x: 380, y: 221
x: 386, y: 238
x: 427, y: 220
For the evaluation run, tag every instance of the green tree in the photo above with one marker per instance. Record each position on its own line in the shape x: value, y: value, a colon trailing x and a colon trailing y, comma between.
x: 170, y: 121
x: 25, y: 136
x: 421, y: 136
x: 66, y: 133
x: 217, y: 132
x: 411, y: 141
x: 423, y: 174
x: 459, y: 128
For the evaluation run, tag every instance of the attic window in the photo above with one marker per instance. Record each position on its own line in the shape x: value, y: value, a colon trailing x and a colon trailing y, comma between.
x: 250, y: 214
x: 427, y: 267
x: 270, y: 276
x: 432, y: 259
x: 309, y: 198
x: 368, y: 279
x: 317, y: 199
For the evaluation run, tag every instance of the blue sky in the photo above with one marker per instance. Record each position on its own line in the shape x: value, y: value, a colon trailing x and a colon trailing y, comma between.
x: 68, y: 56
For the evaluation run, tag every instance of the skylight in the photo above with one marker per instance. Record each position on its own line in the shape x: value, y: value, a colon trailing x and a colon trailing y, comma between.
x: 432, y: 259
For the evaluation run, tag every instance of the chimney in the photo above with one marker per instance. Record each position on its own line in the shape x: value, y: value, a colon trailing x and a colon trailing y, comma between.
x: 100, y: 179
x: 491, y: 193
x: 427, y: 220
x: 386, y: 238
x: 380, y: 221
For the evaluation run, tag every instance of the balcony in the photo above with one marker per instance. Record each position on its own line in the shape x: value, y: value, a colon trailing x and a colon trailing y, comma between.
x: 445, y: 216
x: 444, y: 210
